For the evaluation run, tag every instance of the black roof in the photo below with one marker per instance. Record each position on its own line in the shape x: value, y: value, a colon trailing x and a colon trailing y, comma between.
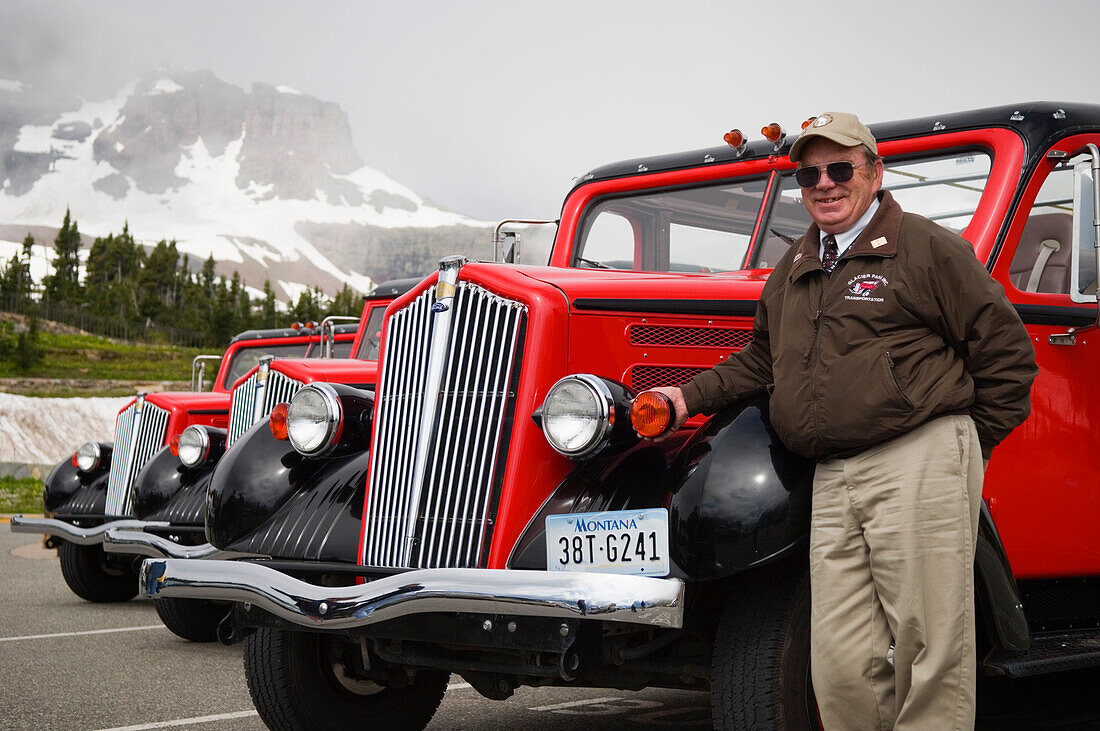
x: 394, y: 287
x: 289, y: 332
x: 1038, y: 123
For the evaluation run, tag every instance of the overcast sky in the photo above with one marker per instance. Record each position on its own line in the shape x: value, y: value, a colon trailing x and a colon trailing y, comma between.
x: 492, y: 108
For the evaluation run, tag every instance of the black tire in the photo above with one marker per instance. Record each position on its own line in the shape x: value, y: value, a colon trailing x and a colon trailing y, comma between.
x: 92, y: 577
x: 296, y: 683
x: 760, y: 666
x: 196, y: 620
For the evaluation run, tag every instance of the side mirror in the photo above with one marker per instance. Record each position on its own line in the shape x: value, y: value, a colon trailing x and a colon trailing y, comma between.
x: 1085, y: 257
x: 538, y: 241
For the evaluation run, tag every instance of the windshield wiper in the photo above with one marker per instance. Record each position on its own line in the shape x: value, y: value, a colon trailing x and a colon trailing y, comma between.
x: 592, y: 263
x: 783, y: 236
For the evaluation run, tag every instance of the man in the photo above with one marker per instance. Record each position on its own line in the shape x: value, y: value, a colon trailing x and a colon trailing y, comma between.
x: 898, y: 364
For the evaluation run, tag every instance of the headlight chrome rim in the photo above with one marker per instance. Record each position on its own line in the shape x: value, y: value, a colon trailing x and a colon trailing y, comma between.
x: 331, y: 424
x: 194, y: 446
x: 89, y: 457
x: 603, y: 420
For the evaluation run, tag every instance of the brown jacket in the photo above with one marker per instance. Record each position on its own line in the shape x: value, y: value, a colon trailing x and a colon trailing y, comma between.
x: 909, y: 326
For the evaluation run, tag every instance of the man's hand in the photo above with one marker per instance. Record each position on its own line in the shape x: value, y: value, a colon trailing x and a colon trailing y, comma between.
x: 676, y: 396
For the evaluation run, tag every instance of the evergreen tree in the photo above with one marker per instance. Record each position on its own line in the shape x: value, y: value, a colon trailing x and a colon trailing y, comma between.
x: 159, y: 284
x: 15, y: 277
x: 63, y: 286
x: 115, y: 264
x: 269, y: 315
x: 28, y: 353
x: 347, y: 302
x: 307, y: 308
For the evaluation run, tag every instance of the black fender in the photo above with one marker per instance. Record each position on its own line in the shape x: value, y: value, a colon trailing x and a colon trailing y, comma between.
x: 67, y: 490
x: 995, y: 589
x: 737, y: 498
x: 165, y: 489
x: 264, y: 497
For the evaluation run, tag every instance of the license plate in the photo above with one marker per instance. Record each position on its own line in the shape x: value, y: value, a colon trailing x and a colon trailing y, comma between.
x: 613, y: 542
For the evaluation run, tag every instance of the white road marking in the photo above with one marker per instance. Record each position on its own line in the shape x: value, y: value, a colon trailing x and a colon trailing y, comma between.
x: 86, y: 632
x: 184, y: 721
x: 217, y: 717
x: 572, y: 704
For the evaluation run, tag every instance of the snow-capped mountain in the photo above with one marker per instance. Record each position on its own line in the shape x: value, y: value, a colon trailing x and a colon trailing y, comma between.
x: 266, y: 180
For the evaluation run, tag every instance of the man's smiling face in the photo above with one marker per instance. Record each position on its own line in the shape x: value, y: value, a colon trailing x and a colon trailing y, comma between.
x: 835, y: 207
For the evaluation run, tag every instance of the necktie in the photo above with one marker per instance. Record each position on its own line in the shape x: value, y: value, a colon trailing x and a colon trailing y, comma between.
x: 828, y: 260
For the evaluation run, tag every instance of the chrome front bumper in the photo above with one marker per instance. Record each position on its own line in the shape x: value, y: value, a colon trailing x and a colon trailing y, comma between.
x: 75, y: 534
x: 140, y: 543
x: 611, y: 597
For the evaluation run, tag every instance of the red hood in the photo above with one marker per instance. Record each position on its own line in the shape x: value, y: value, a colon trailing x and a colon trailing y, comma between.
x: 334, y: 370
x: 603, y: 284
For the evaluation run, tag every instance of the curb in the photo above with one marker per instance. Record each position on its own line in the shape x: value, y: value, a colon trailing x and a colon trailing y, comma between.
x: 6, y: 517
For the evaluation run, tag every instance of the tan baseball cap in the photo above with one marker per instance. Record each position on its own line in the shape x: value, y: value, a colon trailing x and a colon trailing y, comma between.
x: 840, y: 127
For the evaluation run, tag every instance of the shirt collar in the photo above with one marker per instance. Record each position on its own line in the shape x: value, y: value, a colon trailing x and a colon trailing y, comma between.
x: 845, y: 238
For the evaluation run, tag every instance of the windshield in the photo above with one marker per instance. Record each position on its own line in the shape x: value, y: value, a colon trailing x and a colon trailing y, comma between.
x: 247, y: 357
x: 709, y: 228
x: 372, y: 334
x: 701, y: 229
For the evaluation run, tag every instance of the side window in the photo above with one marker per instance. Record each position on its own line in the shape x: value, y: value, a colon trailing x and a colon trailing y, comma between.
x: 1043, y: 257
x: 1084, y: 259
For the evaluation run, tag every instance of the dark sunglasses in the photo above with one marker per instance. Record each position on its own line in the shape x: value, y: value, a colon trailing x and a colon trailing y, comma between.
x: 838, y: 172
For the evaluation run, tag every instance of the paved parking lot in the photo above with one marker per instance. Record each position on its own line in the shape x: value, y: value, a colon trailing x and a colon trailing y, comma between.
x: 69, y: 664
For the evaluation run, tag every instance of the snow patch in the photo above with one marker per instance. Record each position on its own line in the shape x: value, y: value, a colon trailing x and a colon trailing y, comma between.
x: 293, y: 290
x: 288, y: 90
x: 48, y: 430
x: 35, y: 138
x: 10, y: 85
x: 165, y: 86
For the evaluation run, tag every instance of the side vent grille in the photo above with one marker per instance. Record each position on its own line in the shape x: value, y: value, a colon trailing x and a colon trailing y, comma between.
x: 669, y: 336
x: 645, y: 377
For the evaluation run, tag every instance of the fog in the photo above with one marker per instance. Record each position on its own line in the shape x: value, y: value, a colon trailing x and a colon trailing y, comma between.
x: 492, y: 108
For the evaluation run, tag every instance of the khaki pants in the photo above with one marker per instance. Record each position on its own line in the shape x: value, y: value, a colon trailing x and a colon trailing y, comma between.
x: 892, y: 563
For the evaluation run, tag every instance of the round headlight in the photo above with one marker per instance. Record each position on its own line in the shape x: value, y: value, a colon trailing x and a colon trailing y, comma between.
x: 313, y: 419
x: 577, y: 415
x: 194, y: 446
x: 88, y: 456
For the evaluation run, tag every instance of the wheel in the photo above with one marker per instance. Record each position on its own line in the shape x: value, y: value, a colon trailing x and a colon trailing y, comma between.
x: 760, y: 666
x: 301, y: 680
x: 196, y: 620
x: 92, y: 577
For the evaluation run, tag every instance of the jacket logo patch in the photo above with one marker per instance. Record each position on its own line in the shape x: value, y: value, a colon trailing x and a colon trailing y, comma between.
x: 863, y: 286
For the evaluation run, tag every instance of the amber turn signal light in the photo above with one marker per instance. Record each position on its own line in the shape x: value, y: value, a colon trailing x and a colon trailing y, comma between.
x: 278, y: 422
x: 174, y: 445
x: 734, y: 138
x: 651, y: 414
x: 773, y: 132
x: 808, y: 122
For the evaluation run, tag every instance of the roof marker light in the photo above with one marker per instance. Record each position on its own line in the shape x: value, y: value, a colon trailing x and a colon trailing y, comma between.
x: 773, y: 133
x: 736, y: 139
x: 808, y: 122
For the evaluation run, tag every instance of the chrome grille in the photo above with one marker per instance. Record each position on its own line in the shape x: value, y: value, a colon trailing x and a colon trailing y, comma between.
x: 444, y: 405
x: 256, y: 397
x: 139, y: 432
